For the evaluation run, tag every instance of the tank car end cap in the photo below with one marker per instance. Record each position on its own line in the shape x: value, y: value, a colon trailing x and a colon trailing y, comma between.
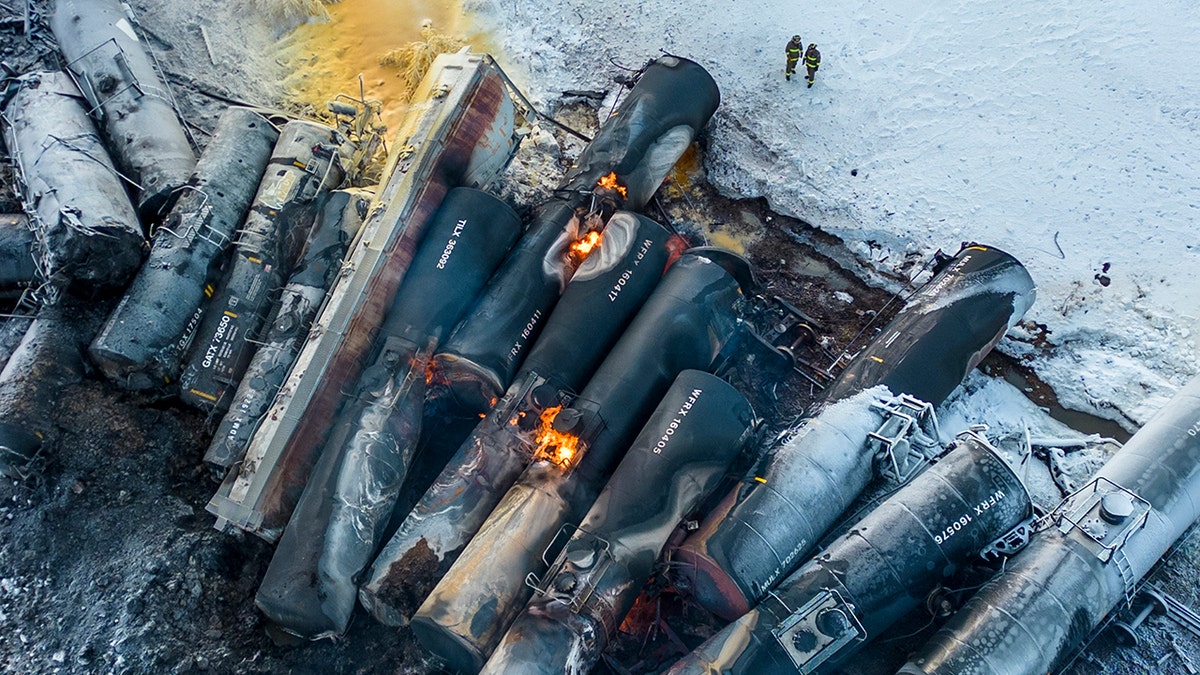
x: 699, y: 574
x: 460, y: 654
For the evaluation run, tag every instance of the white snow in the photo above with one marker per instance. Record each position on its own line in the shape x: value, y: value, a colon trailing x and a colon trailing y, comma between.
x: 1062, y: 132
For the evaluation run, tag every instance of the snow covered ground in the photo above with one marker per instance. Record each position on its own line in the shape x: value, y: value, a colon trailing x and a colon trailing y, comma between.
x: 1062, y: 132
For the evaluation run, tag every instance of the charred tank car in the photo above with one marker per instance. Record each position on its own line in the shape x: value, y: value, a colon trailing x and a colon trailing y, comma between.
x: 147, y: 335
x: 762, y: 529
x: 305, y: 165
x: 129, y: 99
x: 882, y: 568
x: 602, y: 298
x: 687, y: 323
x: 1086, y: 561
x: 310, y: 587
x: 620, y: 168
x: 462, y: 133
x: 678, y: 457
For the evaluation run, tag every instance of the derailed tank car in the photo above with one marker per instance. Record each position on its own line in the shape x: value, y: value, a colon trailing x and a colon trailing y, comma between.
x: 1098, y: 543
x: 87, y: 230
x: 479, y: 360
x: 764, y: 527
x: 129, y: 99
x: 687, y: 323
x: 882, y: 568
x: 18, y: 245
x: 679, y: 456
x: 48, y: 358
x: 144, y: 340
x: 461, y: 133
x: 306, y: 163
x: 620, y: 168
x: 598, y: 305
x: 656, y: 122
x: 347, y: 503
x: 337, y: 224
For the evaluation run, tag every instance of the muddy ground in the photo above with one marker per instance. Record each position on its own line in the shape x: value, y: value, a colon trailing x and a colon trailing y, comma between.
x: 109, y: 562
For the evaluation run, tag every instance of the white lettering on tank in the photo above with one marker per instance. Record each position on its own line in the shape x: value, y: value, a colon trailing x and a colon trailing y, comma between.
x: 673, y: 425
x: 453, y: 241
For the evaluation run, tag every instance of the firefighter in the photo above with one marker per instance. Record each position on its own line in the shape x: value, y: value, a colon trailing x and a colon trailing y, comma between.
x: 812, y: 61
x: 793, y: 56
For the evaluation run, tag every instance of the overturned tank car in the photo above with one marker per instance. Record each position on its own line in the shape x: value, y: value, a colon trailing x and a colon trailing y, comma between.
x: 620, y: 168
x: 460, y: 133
x: 870, y: 418
x: 679, y: 456
x: 1087, y: 560
x: 142, y: 344
x: 687, y: 323
x: 882, y: 568
x: 601, y: 300
x: 346, y: 505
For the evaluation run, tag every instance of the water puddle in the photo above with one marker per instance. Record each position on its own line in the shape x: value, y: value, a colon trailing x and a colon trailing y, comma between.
x: 1042, y: 395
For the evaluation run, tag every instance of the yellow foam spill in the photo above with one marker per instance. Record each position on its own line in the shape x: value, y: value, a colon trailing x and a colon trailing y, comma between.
x: 326, y: 57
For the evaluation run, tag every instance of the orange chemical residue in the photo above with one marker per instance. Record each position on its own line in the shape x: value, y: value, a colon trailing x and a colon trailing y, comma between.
x: 586, y: 244
x: 552, y: 445
x: 688, y: 167
x: 326, y: 58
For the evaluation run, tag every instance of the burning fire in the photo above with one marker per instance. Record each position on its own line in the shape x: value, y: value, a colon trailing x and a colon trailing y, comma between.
x: 610, y: 182
x: 552, y: 445
x: 584, y: 246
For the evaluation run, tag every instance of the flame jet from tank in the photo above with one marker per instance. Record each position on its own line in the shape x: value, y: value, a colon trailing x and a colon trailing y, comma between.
x: 127, y: 96
x: 881, y: 569
x: 338, y: 221
x: 310, y: 586
x: 1086, y: 561
x: 679, y: 456
x: 601, y: 300
x: 621, y: 168
x: 686, y: 323
x: 764, y: 527
x: 146, y: 336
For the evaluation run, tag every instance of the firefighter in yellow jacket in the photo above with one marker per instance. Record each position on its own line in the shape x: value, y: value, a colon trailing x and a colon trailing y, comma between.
x: 812, y: 61
x: 793, y: 56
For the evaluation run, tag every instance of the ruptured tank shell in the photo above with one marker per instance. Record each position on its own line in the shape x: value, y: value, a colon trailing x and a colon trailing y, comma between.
x: 883, y: 568
x: 1098, y: 544
x: 305, y: 165
x: 131, y: 103
x: 686, y: 323
x: 87, y: 230
x: 655, y: 123
x: 460, y: 131
x: 146, y: 336
x: 747, y: 543
x: 337, y: 224
x: 679, y: 456
x: 601, y: 300
x: 310, y: 588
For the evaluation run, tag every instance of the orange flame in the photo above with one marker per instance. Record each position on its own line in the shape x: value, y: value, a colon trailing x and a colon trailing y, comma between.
x: 585, y: 245
x: 610, y: 182
x: 552, y: 445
